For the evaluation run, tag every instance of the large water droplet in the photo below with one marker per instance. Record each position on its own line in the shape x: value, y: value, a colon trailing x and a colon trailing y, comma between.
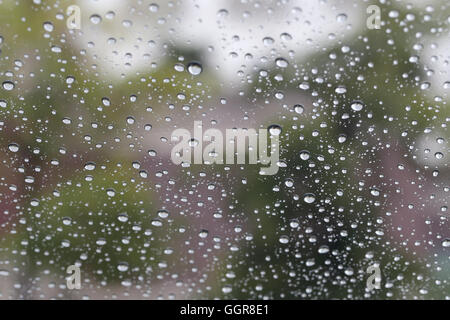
x: 298, y: 108
x: 203, y: 234
x: 309, y: 197
x: 195, y: 68
x: 13, y: 147
x: 274, y: 130
x: 95, y: 19
x: 8, y: 85
x: 281, y: 62
x: 48, y: 26
x: 89, y: 166
x: 357, y: 105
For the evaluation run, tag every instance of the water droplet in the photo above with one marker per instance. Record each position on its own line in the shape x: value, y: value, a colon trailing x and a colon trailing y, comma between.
x: 4, y: 273
x: 324, y: 249
x: 157, y: 223
x: 89, y: 166
x: 342, y: 17
x: 203, y: 234
x: 309, y: 198
x: 285, y: 36
x: 143, y: 174
x: 13, y: 147
x: 284, y: 239
x: 179, y: 67
x: 163, y: 214
x: 274, y: 130
x: 70, y: 80
x: 106, y: 102
x: 342, y: 138
x: 446, y: 243
x: 340, y: 90
x: 357, y: 105
x: 130, y: 120
x: 222, y: 13
x: 195, y: 68
x: 153, y: 7
x: 101, y: 242
x: 268, y: 41
x: 425, y: 85
x: 8, y: 85
x: 227, y: 289
x: 304, y: 155
x: 289, y: 183
x: 122, y: 266
x: 122, y: 217
x: 349, y: 271
x: 281, y: 62
x: 95, y: 19
x: 298, y: 108
x: 48, y: 26
x: 110, y: 192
